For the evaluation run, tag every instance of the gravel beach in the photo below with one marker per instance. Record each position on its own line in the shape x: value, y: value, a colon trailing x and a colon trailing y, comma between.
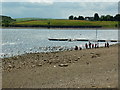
x: 88, y: 68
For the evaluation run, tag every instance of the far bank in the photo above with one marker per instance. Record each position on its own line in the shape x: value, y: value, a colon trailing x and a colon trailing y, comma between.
x: 59, y: 23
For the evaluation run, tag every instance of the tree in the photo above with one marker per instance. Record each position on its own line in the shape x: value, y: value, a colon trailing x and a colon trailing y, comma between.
x: 80, y: 18
x: 117, y: 17
x: 75, y: 18
x: 96, y: 17
x: 107, y: 18
x: 102, y: 18
x: 6, y: 20
x: 71, y: 17
x: 111, y: 18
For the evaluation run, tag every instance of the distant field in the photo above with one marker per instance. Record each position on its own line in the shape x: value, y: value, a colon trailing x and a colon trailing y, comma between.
x: 29, y: 19
x: 62, y: 22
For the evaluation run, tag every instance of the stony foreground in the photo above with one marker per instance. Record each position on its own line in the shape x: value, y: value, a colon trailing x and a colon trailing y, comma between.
x: 88, y: 68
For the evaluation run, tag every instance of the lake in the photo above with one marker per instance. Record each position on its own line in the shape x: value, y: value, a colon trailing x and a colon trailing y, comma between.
x: 20, y: 41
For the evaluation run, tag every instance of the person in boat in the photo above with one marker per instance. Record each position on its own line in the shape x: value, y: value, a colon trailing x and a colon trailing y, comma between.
x: 76, y: 47
x: 86, y: 46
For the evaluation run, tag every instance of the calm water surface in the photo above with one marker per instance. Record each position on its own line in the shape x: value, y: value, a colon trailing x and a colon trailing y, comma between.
x: 20, y: 41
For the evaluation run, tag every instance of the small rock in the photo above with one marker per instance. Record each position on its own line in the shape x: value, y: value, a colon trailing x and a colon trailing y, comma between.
x: 50, y: 62
x: 87, y: 63
x: 76, y: 59
x: 57, y: 56
x: 98, y: 55
x: 69, y: 61
x: 35, y: 61
x: 23, y: 63
x: 33, y: 66
x: 32, y: 62
x: 39, y: 65
x: 74, y: 55
x: 45, y: 60
x: 93, y: 86
x: 10, y: 66
x: 63, y: 65
x: 18, y: 67
x: 92, y: 53
x: 37, y: 55
x: 54, y: 66
x: 93, y: 56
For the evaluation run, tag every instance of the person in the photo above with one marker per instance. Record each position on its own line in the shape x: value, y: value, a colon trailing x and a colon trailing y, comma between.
x: 92, y: 45
x: 107, y: 44
x: 76, y: 47
x: 95, y: 45
x: 86, y: 46
x: 80, y: 48
x: 89, y: 45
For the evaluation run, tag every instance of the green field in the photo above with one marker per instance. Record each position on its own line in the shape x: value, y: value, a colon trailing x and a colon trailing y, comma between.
x: 64, y: 22
x: 29, y: 19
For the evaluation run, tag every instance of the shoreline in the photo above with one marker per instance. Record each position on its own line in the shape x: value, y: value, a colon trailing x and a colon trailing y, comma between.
x: 58, y: 28
x: 88, y: 68
x: 72, y: 49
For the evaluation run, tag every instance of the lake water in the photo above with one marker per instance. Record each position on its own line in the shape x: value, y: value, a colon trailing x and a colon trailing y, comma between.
x: 20, y: 41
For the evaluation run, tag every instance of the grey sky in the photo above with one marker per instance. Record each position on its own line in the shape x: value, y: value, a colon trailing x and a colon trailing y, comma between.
x: 58, y: 9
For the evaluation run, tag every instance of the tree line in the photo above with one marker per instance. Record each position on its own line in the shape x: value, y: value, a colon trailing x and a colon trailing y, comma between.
x: 96, y: 17
x: 6, y: 20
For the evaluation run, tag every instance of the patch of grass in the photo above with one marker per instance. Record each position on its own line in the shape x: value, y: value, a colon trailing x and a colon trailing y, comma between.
x: 62, y: 22
x: 29, y: 19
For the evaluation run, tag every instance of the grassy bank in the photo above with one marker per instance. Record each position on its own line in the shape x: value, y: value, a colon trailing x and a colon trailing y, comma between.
x: 63, y: 22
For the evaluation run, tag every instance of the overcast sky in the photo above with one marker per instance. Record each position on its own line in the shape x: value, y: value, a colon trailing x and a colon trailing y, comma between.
x: 57, y: 10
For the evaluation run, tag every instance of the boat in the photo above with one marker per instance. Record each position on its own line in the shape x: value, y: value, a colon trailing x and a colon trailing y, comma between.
x: 56, y: 39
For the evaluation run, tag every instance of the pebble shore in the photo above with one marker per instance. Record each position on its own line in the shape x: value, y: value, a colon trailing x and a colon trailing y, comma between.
x: 88, y: 68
